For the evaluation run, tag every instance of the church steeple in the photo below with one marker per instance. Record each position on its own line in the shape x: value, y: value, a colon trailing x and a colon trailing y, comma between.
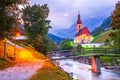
x: 79, y: 23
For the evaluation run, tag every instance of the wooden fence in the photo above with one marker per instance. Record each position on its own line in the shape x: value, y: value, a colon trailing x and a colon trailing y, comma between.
x: 89, y: 52
x: 99, y: 51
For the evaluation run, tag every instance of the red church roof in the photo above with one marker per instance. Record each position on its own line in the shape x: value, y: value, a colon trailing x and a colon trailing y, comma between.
x: 82, y: 31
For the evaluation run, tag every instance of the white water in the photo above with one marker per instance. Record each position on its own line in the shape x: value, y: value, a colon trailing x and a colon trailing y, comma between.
x: 83, y: 71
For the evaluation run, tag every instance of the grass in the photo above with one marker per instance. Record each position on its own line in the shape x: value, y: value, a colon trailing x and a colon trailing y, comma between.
x: 105, y: 59
x: 102, y: 37
x: 50, y: 72
x: 112, y: 61
x: 37, y: 54
x: 5, y: 63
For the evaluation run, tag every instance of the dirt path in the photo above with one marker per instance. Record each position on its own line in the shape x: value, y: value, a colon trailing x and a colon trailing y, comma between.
x: 26, y: 66
x: 21, y: 71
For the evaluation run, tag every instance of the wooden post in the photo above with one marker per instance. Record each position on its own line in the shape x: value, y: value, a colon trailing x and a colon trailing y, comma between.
x: 4, y: 50
x: 14, y: 52
x: 95, y: 67
x: 93, y: 64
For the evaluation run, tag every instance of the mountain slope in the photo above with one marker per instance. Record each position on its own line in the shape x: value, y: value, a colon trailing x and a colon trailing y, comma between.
x: 54, y: 38
x: 102, y: 37
x: 103, y: 27
x: 67, y: 33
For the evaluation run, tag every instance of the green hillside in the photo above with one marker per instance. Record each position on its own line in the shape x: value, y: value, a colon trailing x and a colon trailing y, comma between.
x: 103, y: 27
x: 102, y: 37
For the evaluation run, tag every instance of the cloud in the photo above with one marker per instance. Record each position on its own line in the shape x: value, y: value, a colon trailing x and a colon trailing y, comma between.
x: 63, y: 13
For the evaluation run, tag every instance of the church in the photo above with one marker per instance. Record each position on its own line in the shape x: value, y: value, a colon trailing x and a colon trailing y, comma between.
x: 82, y: 35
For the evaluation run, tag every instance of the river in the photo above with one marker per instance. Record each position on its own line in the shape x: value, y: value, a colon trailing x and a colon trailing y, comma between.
x: 82, y: 71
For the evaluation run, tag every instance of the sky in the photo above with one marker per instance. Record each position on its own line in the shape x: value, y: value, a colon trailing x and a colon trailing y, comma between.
x: 63, y: 13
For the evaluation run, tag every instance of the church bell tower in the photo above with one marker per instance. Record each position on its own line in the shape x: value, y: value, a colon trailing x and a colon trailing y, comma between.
x: 79, y: 24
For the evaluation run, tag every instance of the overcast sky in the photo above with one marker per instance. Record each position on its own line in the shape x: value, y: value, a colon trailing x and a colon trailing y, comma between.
x: 63, y: 13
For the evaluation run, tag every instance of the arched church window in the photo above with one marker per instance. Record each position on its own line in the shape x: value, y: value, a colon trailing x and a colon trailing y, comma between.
x: 79, y: 26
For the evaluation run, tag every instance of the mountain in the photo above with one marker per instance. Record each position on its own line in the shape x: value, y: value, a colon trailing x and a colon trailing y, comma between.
x: 67, y: 33
x: 103, y: 27
x: 55, y: 38
x: 70, y: 32
x: 91, y: 23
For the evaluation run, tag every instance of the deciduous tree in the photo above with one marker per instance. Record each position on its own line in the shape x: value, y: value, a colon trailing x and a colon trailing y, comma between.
x: 35, y: 20
x: 37, y: 26
x: 9, y: 15
x: 66, y: 45
x: 115, y: 24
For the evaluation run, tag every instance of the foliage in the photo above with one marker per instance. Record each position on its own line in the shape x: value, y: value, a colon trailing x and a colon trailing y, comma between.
x: 49, y: 45
x: 35, y: 20
x: 116, y: 17
x: 36, y: 27
x: 9, y: 15
x: 66, y: 44
x: 109, y: 60
x: 77, y: 49
x: 116, y: 39
x: 105, y: 59
x: 115, y: 24
x: 79, y: 46
x: 43, y: 44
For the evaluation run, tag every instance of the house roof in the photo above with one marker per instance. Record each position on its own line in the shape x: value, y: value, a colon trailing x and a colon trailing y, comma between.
x: 82, y: 31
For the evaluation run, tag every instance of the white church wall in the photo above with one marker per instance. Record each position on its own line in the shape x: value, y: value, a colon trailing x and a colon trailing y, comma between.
x: 93, y: 45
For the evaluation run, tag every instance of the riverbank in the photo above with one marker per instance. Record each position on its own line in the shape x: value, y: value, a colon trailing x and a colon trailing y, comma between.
x: 82, y: 71
x: 50, y: 72
x: 113, y: 67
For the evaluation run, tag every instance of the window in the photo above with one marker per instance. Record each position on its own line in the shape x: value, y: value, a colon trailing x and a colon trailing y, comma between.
x: 79, y: 26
